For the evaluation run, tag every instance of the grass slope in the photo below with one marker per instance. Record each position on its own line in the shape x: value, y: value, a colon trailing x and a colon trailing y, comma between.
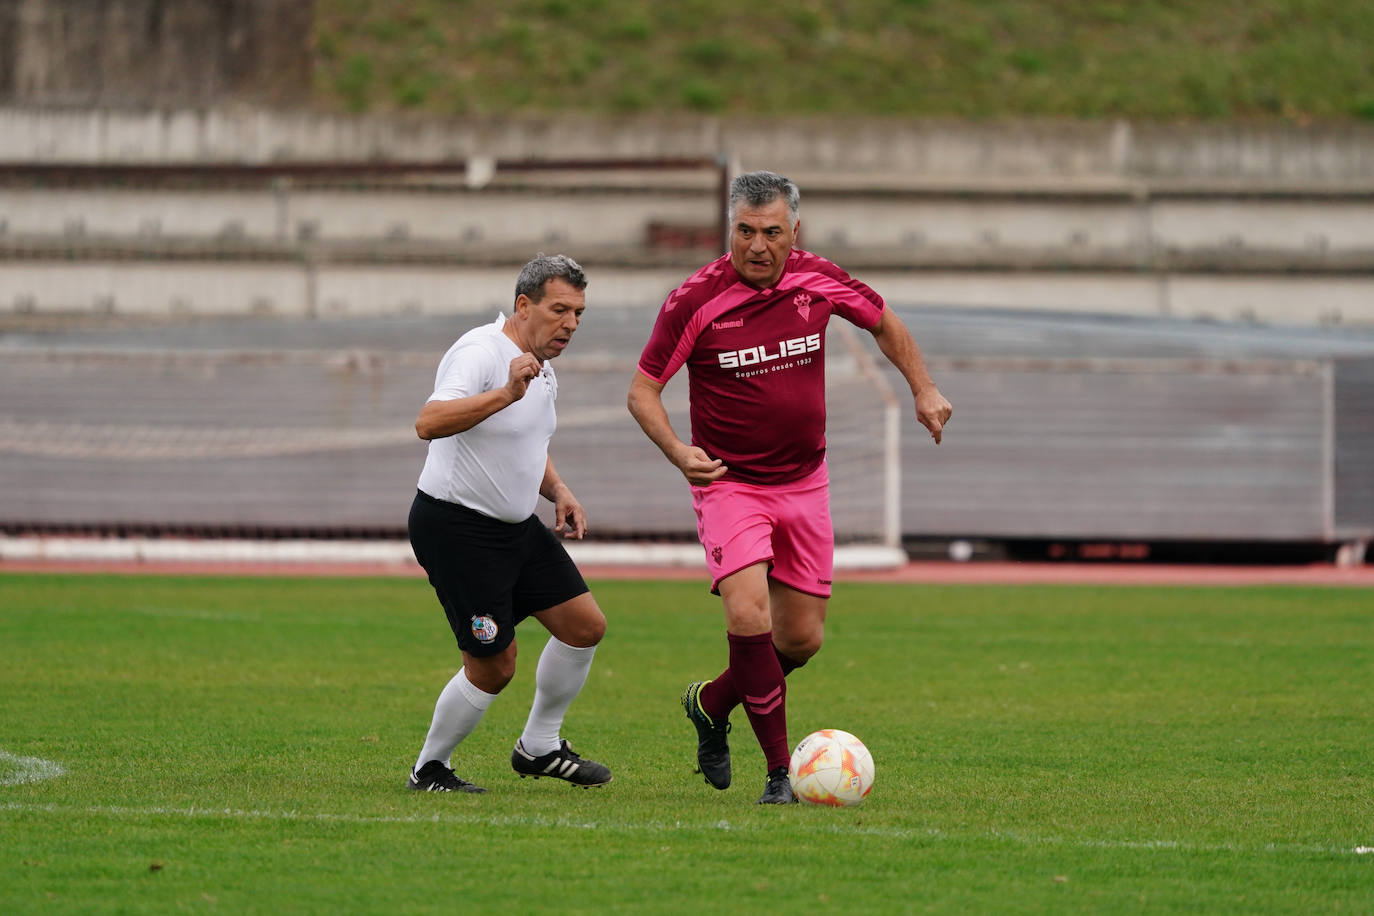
x: 1266, y: 59
x: 239, y: 745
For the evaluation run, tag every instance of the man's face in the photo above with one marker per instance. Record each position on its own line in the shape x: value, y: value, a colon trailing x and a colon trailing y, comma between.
x: 761, y: 238
x: 546, y: 327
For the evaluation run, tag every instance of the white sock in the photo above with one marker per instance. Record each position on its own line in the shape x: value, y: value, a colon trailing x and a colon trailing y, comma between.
x: 459, y: 709
x: 557, y: 681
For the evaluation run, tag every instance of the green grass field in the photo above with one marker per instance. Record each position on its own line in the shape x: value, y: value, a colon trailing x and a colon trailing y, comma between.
x: 1288, y: 60
x: 239, y: 745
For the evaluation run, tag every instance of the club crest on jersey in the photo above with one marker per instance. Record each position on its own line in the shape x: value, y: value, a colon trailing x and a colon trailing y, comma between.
x: 803, y: 303
x: 484, y: 628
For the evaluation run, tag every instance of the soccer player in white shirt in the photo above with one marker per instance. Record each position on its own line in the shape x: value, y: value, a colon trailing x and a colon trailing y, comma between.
x: 492, y: 562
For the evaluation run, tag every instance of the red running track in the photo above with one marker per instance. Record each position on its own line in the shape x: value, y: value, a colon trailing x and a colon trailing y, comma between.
x: 923, y: 572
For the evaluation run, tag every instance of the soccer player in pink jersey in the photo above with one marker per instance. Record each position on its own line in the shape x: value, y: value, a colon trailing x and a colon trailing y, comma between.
x: 750, y: 328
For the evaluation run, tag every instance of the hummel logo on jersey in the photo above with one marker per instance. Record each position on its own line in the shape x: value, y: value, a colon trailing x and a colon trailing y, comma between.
x: 722, y: 325
x: 803, y: 303
x: 749, y: 356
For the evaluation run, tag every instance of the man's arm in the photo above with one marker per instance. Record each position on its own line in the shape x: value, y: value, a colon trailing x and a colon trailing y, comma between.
x: 569, y: 518
x: 897, y: 344
x: 646, y: 406
x: 438, y: 419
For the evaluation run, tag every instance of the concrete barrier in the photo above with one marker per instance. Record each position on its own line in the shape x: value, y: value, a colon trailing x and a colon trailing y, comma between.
x: 1253, y: 223
x: 897, y: 149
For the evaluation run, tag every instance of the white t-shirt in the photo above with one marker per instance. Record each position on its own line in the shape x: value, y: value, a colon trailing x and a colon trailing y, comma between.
x: 496, y: 466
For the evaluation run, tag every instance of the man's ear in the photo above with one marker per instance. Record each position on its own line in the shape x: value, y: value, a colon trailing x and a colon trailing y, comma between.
x: 522, y: 303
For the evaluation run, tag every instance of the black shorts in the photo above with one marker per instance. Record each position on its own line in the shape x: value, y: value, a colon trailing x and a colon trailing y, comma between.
x: 489, y: 574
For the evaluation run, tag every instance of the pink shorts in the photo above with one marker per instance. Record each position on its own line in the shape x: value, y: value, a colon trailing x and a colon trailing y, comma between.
x: 786, y: 525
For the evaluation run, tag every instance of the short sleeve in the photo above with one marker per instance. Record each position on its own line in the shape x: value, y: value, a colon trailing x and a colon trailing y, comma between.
x: 467, y: 369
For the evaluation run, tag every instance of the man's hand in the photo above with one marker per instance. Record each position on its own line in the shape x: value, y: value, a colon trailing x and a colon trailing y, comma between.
x: 522, y: 370
x: 699, y: 468
x: 569, y: 518
x: 933, y: 411
x: 441, y: 418
x: 646, y: 406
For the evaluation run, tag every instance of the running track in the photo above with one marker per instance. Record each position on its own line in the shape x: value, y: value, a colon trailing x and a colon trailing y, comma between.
x: 926, y: 572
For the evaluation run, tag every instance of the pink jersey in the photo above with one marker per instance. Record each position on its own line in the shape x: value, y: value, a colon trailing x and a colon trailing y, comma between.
x: 756, y: 361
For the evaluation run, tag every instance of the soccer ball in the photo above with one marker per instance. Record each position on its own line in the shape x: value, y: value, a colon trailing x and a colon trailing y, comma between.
x: 831, y: 767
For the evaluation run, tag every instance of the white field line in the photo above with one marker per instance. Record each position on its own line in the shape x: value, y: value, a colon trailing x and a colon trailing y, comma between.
x: 120, y: 812
x: 18, y: 771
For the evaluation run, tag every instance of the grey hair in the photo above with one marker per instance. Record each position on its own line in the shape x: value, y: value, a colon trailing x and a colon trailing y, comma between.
x: 548, y: 267
x: 757, y: 189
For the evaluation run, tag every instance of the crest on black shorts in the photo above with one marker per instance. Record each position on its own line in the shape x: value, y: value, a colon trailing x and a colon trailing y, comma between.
x: 484, y: 629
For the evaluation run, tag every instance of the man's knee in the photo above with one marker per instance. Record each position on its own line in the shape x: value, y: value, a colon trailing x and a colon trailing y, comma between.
x: 798, y: 647
x: 748, y: 607
x: 586, y: 630
x: 798, y: 624
x: 579, y: 622
x: 492, y: 673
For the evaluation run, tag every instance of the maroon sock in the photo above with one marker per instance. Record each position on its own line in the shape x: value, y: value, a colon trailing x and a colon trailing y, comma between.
x: 719, y: 697
x: 756, y: 674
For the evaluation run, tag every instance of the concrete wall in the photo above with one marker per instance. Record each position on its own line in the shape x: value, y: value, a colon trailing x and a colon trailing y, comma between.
x: 1232, y: 222
x: 280, y: 248
x: 880, y: 150
x: 155, y: 52
x: 31, y: 288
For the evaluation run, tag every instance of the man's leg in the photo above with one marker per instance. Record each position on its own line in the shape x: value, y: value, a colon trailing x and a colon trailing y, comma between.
x: 454, y: 545
x: 459, y: 709
x: 575, y: 627
x: 801, y: 543
x: 754, y: 672
x: 798, y: 629
x: 797, y: 622
x: 462, y: 703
